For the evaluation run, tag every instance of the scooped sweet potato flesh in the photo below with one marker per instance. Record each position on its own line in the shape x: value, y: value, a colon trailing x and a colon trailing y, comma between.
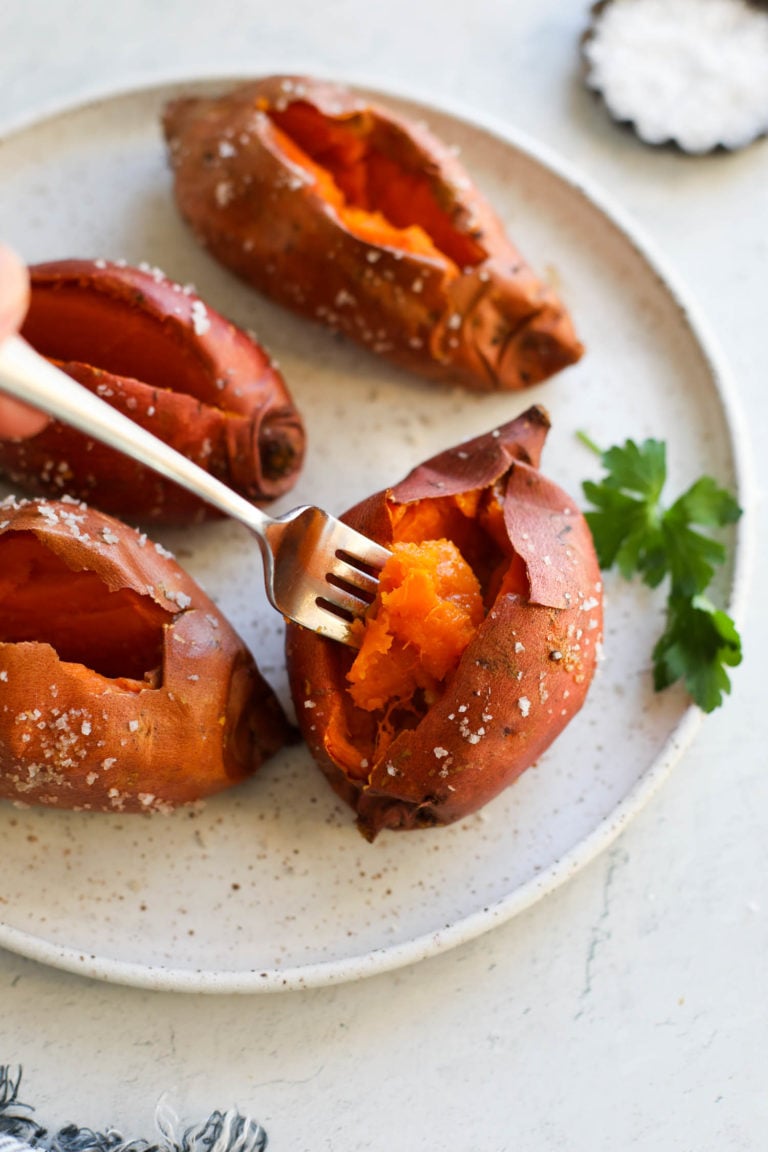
x: 428, y: 607
x: 479, y: 649
x: 355, y: 216
x: 155, y: 351
x: 122, y: 686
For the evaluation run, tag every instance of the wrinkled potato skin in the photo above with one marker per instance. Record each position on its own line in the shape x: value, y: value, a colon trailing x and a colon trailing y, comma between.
x: 71, y: 737
x: 522, y: 678
x: 493, y: 325
x: 197, y: 382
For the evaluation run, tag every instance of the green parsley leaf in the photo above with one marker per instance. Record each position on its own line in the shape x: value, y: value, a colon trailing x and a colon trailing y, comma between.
x: 638, y: 468
x: 624, y: 528
x: 708, y: 504
x: 635, y: 533
x: 698, y: 641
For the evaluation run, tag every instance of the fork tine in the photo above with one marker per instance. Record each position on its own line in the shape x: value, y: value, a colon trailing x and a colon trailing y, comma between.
x: 319, y: 617
x: 323, y: 574
x: 357, y: 549
x: 344, y: 601
x: 348, y: 575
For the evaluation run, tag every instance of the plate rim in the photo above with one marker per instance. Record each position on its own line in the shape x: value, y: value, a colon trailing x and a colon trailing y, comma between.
x: 379, y: 960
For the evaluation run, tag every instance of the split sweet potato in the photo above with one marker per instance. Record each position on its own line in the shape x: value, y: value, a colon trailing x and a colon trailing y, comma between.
x: 479, y: 648
x: 155, y: 351
x: 122, y: 686
x: 354, y: 216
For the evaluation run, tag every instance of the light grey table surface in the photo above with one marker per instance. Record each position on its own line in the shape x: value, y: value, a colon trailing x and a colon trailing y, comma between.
x: 628, y: 1009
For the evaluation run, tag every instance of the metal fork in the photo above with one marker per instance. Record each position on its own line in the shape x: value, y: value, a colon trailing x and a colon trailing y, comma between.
x: 318, y: 572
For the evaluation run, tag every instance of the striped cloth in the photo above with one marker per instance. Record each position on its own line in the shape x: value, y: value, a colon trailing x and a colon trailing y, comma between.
x: 221, y: 1132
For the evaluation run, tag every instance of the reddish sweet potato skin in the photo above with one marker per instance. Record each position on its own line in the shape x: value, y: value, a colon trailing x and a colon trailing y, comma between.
x: 522, y: 678
x: 483, y: 319
x: 156, y: 352
x: 200, y: 720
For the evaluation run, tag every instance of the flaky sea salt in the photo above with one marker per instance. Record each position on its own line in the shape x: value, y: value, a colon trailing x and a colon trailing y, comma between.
x: 692, y: 71
x: 200, y: 320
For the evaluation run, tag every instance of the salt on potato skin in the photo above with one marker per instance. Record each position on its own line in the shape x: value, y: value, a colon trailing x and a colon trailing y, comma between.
x: 173, y: 708
x: 523, y: 676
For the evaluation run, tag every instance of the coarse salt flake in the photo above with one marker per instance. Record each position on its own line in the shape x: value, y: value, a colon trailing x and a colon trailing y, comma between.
x: 224, y: 193
x: 200, y: 320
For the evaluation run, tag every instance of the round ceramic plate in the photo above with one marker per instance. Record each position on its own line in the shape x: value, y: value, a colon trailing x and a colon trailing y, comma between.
x: 270, y: 886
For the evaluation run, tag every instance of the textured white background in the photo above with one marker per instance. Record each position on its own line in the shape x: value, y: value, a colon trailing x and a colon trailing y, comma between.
x: 626, y: 1011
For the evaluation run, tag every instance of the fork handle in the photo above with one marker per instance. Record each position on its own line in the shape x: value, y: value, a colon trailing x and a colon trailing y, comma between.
x: 31, y: 378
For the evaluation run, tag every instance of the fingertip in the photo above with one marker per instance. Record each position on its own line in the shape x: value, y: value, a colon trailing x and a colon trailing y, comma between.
x: 14, y: 291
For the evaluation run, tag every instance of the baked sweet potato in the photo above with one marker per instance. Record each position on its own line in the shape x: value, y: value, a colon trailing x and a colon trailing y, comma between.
x: 122, y: 686
x: 481, y: 644
x: 154, y: 350
x: 350, y: 214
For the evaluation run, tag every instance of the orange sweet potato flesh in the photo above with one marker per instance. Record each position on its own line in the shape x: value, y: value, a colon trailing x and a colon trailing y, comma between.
x: 156, y: 352
x: 122, y: 686
x: 429, y: 606
x: 352, y: 215
x: 458, y: 715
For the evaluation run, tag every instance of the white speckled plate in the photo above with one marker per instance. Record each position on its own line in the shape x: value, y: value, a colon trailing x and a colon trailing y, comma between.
x: 270, y: 886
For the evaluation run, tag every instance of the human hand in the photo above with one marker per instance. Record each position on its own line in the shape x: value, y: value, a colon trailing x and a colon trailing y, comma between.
x: 17, y: 421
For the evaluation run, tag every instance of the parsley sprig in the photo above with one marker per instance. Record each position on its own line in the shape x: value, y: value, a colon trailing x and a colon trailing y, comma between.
x: 634, y: 532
